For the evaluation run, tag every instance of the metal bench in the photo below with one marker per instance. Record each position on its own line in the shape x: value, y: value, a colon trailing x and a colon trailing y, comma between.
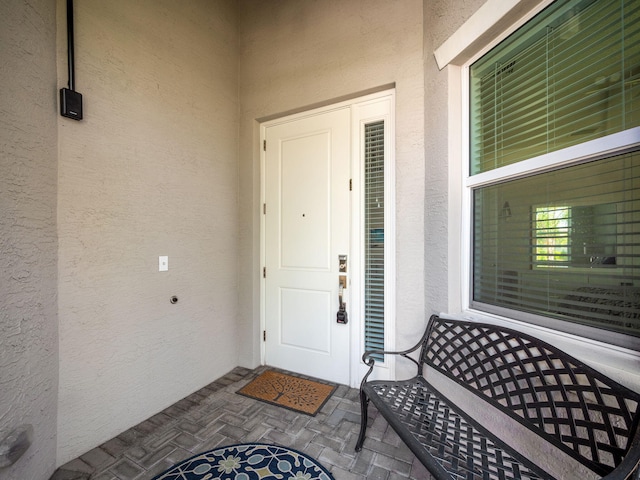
x: 573, y: 407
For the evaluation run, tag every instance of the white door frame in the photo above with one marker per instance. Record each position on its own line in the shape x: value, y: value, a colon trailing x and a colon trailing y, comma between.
x: 362, y: 110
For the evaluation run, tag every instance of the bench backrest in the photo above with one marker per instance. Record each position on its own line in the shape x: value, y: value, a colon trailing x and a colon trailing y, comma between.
x: 582, y: 412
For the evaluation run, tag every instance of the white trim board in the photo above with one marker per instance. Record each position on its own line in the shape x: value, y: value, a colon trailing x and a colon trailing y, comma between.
x: 495, y: 19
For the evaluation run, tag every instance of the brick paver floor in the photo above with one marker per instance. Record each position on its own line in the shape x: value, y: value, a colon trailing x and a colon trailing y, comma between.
x: 216, y: 416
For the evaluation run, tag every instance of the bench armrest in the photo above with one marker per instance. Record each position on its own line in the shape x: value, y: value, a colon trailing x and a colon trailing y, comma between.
x: 368, y: 359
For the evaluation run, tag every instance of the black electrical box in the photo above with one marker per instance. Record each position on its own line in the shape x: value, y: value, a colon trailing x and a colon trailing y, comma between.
x: 70, y: 104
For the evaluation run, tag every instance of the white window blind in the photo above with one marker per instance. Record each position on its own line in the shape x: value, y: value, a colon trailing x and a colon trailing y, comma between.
x: 374, y: 235
x: 573, y: 75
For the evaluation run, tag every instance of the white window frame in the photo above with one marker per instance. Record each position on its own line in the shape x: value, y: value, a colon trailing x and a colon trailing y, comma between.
x: 492, y: 23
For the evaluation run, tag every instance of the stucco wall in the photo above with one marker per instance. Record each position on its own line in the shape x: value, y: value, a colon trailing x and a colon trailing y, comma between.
x: 295, y: 54
x: 151, y: 170
x: 441, y: 19
x: 28, y: 246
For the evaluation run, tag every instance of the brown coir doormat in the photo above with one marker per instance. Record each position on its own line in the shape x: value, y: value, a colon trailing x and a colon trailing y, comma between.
x: 294, y: 393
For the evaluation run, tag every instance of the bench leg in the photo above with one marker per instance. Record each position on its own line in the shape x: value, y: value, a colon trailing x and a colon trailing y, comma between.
x: 364, y: 407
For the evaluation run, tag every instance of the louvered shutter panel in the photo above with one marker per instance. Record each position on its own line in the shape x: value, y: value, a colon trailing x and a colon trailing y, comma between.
x: 374, y: 235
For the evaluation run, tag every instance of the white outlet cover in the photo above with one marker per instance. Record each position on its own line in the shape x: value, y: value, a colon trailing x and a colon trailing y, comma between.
x: 163, y: 263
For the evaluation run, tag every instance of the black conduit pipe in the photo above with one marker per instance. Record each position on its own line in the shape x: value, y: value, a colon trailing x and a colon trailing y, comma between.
x: 70, y: 52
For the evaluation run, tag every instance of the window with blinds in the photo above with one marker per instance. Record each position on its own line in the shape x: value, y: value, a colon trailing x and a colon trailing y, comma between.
x: 374, y: 236
x: 560, y: 242
x: 568, y: 245
x: 570, y: 75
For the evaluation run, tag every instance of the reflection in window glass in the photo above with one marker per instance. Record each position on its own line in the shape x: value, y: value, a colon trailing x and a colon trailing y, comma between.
x: 584, y: 218
x: 551, y: 234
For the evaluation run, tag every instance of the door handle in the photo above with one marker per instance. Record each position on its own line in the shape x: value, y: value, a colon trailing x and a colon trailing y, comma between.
x: 342, y: 316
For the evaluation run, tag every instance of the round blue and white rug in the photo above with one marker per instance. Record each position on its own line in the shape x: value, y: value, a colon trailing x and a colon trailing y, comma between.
x: 248, y: 461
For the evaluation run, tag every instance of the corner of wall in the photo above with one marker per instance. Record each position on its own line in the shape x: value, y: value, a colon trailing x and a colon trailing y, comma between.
x: 28, y: 233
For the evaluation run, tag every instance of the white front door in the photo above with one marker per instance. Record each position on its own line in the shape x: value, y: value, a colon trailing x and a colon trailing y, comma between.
x: 307, y: 171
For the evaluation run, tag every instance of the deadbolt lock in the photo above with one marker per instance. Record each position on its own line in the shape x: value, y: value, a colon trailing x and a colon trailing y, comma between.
x: 342, y: 263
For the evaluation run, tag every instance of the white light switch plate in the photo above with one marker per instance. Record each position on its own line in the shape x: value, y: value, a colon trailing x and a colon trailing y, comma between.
x: 163, y: 263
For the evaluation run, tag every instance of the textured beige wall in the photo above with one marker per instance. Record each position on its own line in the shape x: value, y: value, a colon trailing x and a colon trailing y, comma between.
x: 151, y: 170
x: 441, y: 19
x: 28, y: 245
x: 294, y: 54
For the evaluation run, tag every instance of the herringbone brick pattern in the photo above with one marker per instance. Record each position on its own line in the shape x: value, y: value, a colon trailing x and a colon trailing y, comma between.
x: 216, y: 416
